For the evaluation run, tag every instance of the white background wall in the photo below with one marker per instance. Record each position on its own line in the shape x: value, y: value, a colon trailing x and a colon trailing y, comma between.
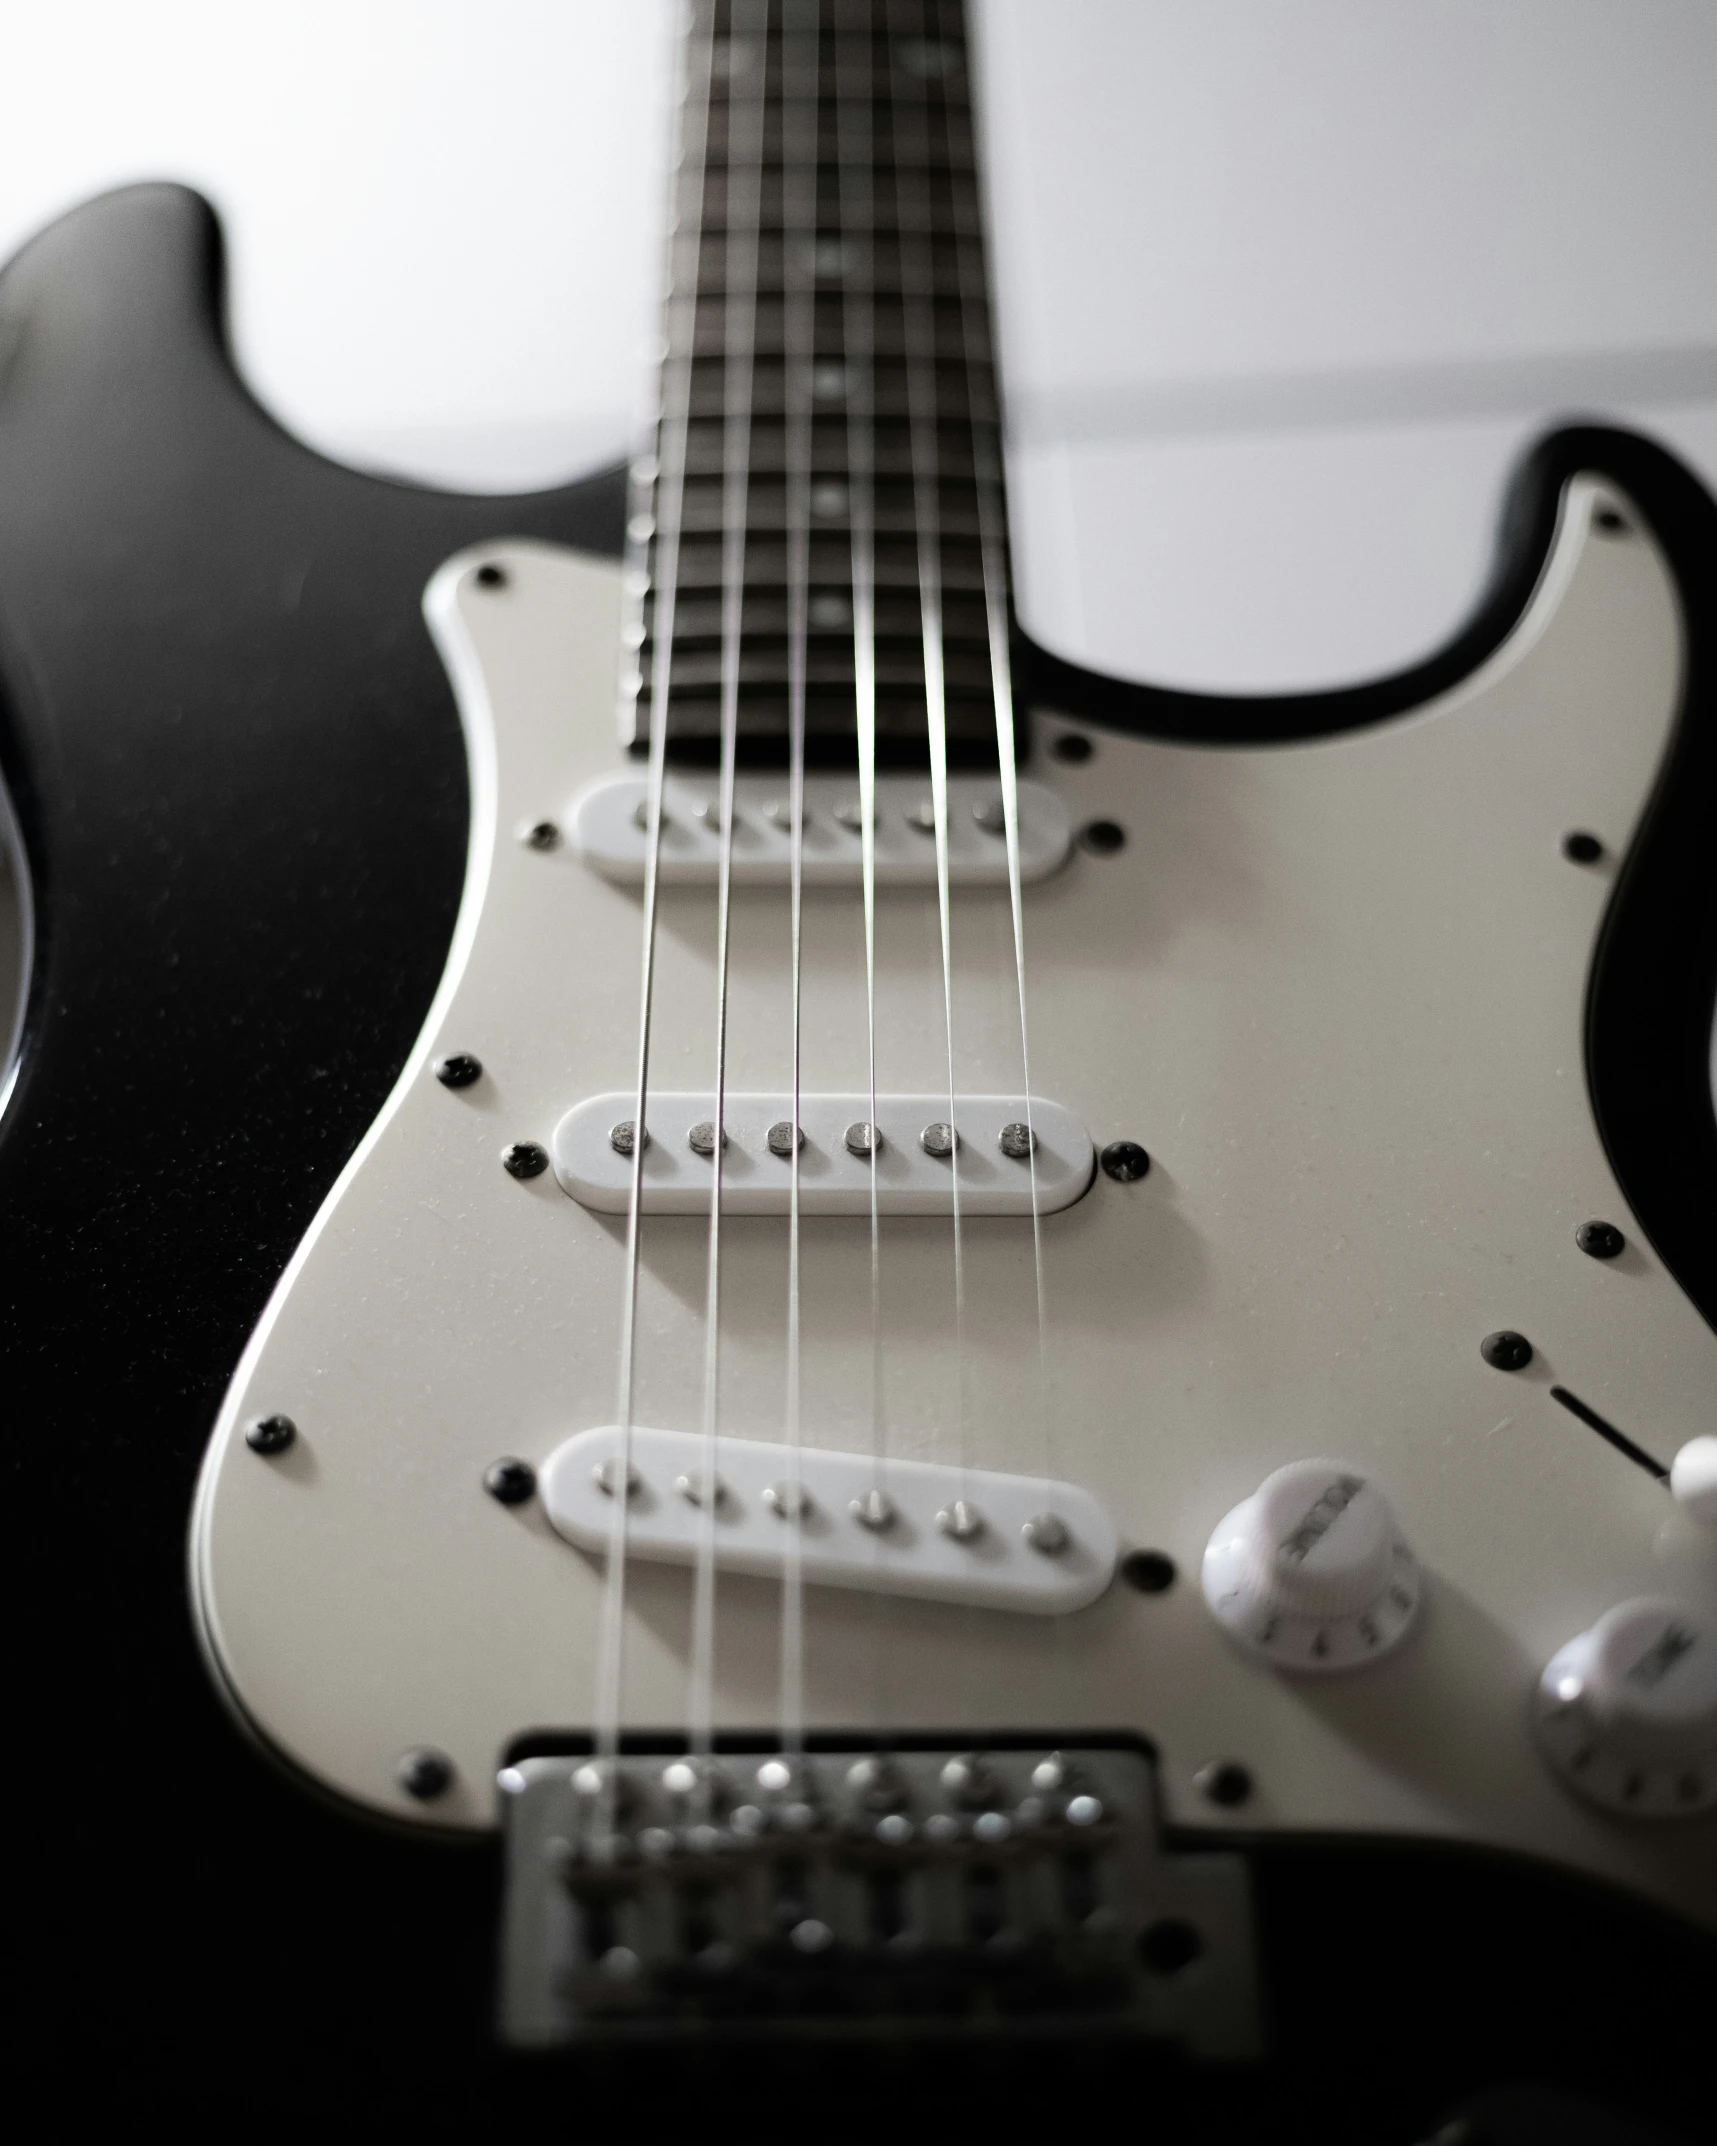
x: 1283, y: 289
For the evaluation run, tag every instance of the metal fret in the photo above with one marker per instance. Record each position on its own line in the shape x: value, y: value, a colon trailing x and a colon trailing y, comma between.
x: 922, y: 183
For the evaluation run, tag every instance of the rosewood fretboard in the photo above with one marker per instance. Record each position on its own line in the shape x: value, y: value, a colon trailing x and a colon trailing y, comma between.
x: 851, y: 161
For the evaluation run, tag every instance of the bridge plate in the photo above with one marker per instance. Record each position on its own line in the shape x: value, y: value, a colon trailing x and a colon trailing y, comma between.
x: 934, y: 1893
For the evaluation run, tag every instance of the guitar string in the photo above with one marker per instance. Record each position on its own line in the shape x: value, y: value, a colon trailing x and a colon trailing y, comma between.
x: 800, y: 64
x: 909, y: 98
x: 853, y: 137
x: 747, y: 75
x: 989, y: 488
x: 684, y: 257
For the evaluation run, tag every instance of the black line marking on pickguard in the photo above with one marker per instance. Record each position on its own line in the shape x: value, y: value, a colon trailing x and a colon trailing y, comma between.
x: 1619, y: 1439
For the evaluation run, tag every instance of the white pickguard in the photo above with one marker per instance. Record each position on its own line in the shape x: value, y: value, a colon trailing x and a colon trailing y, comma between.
x: 1335, y: 989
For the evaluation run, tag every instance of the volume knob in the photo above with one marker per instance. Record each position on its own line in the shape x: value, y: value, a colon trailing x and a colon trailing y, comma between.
x: 1311, y: 1572
x: 1627, y: 1713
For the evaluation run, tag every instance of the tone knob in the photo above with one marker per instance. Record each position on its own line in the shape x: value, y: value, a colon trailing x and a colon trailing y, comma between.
x: 1311, y: 1572
x: 1627, y: 1713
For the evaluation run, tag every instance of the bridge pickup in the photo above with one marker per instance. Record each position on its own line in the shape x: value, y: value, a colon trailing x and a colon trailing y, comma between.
x: 608, y: 830
x: 1013, y: 1542
x: 592, y: 1152
x: 896, y: 1893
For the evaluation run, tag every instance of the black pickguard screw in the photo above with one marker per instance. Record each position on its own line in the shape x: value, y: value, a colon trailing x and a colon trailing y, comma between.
x: 270, y: 1434
x: 492, y: 576
x: 1602, y: 1240
x: 1125, y: 1161
x: 525, y: 1159
x: 1506, y: 1350
x: 1170, y: 1945
x: 1152, y: 1572
x: 1610, y: 522
x: 509, y: 1481
x: 459, y: 1071
x: 543, y: 834
x: 1073, y: 747
x: 425, y: 1773
x: 1104, y: 837
x: 1581, y: 848
x: 1223, y: 1781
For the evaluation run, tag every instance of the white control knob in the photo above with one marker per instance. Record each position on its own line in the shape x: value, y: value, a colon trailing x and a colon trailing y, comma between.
x: 1693, y: 1479
x: 1311, y: 1572
x: 1627, y: 1713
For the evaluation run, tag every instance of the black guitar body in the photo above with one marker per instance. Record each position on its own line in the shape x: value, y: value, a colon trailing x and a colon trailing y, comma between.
x: 240, y: 781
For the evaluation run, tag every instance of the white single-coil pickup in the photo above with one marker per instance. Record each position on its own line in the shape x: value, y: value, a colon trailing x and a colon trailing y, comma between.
x: 592, y: 1150
x: 956, y: 1535
x: 609, y: 831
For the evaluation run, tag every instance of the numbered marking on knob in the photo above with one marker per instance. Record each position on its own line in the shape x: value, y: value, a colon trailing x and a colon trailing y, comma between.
x: 1311, y: 1572
x: 1627, y: 1712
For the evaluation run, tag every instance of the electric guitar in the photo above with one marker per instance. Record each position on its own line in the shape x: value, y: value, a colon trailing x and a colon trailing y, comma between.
x: 960, y: 1356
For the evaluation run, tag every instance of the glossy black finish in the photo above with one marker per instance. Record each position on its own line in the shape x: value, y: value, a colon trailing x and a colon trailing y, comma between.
x: 241, y: 782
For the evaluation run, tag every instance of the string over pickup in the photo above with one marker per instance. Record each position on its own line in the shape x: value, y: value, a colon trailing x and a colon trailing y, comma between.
x: 997, y: 1146
x: 609, y: 831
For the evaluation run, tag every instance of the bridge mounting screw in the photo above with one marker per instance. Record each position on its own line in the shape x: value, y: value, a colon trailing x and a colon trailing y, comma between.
x: 425, y: 1773
x: 875, y: 1510
x: 524, y: 1159
x: 1601, y: 1240
x: 459, y: 1071
x: 1125, y: 1161
x: 509, y: 1481
x: 542, y: 834
x: 270, y: 1434
x: 1223, y: 1781
x: 1506, y: 1350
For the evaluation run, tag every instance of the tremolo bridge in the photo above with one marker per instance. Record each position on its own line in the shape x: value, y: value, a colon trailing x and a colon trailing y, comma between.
x: 926, y: 1892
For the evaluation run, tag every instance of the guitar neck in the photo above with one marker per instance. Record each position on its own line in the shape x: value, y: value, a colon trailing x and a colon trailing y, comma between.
x: 827, y: 465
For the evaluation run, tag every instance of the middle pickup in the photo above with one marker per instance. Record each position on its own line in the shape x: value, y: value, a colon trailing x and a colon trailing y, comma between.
x: 1003, y: 1154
